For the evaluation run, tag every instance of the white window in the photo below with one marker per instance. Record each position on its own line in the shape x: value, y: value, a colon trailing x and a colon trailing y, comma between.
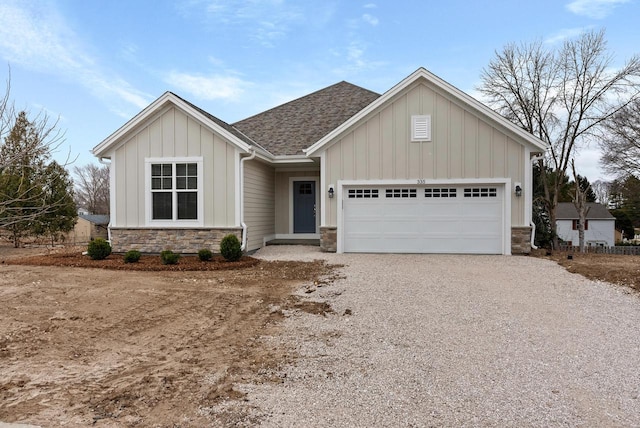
x: 421, y: 128
x: 174, y: 194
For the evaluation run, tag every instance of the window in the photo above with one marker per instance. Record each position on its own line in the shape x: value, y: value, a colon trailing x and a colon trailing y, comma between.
x: 174, y: 191
x: 575, y: 223
x: 481, y: 192
x: 363, y: 193
x: 444, y: 192
x: 401, y: 193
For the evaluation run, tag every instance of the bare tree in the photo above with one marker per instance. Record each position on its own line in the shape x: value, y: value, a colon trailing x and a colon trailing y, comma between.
x: 92, y: 188
x: 561, y: 96
x: 602, y: 190
x: 580, y: 202
x: 620, y: 142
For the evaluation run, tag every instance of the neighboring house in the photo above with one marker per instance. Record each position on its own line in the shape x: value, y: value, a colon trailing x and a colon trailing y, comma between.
x: 599, y: 227
x: 88, y: 227
x: 423, y: 168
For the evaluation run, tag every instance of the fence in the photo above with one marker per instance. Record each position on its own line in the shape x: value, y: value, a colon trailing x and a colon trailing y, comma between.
x: 622, y: 249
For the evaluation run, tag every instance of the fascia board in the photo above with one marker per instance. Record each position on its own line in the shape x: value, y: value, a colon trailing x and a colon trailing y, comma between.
x: 538, y: 144
x: 150, y: 110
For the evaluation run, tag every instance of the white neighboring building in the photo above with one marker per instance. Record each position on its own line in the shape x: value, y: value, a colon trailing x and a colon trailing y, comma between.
x: 599, y: 227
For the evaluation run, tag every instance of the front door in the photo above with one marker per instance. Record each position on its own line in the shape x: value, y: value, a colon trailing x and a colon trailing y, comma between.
x: 304, y: 207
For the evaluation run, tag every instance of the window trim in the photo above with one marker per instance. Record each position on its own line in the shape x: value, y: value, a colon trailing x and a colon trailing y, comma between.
x: 199, y: 222
x: 574, y: 224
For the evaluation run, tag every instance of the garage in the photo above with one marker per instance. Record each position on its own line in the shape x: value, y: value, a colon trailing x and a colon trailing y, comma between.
x: 464, y: 219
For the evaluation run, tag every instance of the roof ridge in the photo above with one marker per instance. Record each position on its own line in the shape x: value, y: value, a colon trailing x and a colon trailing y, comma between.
x: 306, y: 96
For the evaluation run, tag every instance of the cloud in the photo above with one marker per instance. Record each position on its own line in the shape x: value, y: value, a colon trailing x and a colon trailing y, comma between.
x: 34, y: 35
x: 264, y: 21
x: 564, y: 34
x: 370, y: 6
x: 596, y: 9
x: 369, y: 19
x: 211, y: 87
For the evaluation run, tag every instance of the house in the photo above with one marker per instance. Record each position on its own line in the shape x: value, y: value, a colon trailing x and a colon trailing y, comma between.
x: 599, y: 226
x: 88, y: 227
x: 422, y: 168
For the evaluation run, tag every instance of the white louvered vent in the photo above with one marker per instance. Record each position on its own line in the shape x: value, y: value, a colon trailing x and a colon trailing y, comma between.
x: 421, y: 128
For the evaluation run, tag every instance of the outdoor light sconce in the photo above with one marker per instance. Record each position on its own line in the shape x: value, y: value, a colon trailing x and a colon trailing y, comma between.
x: 518, y: 190
x: 331, y: 191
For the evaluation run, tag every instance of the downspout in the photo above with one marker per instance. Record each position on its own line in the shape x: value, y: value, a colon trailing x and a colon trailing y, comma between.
x: 100, y: 159
x: 532, y: 224
x: 242, y: 223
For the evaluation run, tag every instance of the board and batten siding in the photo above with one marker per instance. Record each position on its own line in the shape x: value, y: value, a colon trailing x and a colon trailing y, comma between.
x: 463, y: 146
x: 259, y: 202
x: 172, y: 134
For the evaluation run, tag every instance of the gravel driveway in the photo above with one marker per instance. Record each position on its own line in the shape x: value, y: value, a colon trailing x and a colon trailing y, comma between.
x: 451, y: 340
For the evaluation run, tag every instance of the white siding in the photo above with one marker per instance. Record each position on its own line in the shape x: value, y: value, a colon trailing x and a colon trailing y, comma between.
x: 599, y: 231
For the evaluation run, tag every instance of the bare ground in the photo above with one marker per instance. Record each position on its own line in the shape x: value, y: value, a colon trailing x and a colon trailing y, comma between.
x: 97, y: 343
x: 617, y: 269
x: 109, y: 347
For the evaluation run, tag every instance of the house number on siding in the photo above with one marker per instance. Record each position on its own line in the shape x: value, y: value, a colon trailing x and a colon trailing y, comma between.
x: 422, y: 181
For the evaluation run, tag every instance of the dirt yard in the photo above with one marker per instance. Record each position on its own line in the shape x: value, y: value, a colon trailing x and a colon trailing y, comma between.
x: 103, y: 343
x: 106, y: 347
x: 616, y: 269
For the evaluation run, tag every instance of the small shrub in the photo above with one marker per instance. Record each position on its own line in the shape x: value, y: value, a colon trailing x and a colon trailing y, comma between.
x: 132, y: 256
x: 168, y: 257
x: 230, y: 248
x: 205, y: 255
x: 99, y: 249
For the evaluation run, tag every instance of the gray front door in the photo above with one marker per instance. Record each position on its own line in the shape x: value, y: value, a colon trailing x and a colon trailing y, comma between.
x: 304, y: 207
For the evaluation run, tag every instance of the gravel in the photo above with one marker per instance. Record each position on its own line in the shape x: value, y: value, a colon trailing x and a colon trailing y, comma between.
x: 454, y: 340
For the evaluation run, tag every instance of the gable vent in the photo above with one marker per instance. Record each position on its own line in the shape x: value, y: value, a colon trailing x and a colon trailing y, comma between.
x: 421, y: 128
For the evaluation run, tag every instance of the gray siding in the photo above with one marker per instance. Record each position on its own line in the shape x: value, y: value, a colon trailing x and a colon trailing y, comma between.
x: 464, y: 145
x: 259, y: 202
x: 172, y: 133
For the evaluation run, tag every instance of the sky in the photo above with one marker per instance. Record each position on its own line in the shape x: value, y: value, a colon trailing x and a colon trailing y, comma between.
x: 94, y: 64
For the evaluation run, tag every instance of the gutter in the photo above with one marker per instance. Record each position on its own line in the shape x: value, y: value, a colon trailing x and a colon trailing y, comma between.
x: 101, y: 160
x: 532, y: 224
x: 242, y: 223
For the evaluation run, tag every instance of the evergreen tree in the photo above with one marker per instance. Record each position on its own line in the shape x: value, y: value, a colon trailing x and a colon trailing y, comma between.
x: 58, y: 196
x: 22, y: 159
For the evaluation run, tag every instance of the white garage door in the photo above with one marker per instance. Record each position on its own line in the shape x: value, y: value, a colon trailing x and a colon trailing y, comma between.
x: 437, y: 219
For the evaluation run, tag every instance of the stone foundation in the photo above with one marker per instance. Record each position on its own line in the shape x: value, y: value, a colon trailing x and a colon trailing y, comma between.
x: 329, y: 239
x: 176, y: 240
x: 520, y: 240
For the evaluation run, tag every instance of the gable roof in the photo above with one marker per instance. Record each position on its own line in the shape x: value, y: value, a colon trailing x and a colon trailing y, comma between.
x: 292, y: 127
x: 227, y: 131
x: 567, y: 211
x: 467, y: 100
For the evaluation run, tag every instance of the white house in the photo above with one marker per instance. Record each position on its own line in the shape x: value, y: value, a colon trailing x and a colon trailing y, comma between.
x: 599, y: 226
x: 422, y: 168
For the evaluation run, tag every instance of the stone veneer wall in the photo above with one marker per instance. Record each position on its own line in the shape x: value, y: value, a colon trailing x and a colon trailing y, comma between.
x: 329, y: 239
x: 177, y: 240
x: 520, y: 240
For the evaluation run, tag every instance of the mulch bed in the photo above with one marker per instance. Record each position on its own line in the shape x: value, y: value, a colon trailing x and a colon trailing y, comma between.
x: 146, y: 262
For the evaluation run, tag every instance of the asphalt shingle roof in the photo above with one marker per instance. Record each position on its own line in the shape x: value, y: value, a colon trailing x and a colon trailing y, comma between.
x: 566, y: 210
x: 95, y: 218
x: 296, y: 125
x: 222, y: 124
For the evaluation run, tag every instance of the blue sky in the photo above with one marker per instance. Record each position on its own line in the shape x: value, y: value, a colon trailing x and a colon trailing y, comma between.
x: 96, y: 63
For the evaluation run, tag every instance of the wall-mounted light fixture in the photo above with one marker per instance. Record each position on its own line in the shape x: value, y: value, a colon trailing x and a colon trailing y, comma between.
x: 518, y: 189
x: 331, y: 191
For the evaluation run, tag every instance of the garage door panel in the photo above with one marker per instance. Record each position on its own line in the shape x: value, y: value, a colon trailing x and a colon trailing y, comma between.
x: 452, y: 219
